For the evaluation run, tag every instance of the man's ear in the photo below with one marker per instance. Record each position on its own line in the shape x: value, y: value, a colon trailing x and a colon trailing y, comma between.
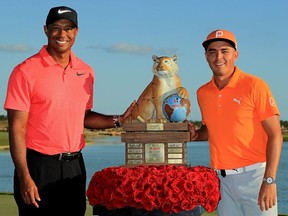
x: 206, y: 56
x: 45, y: 30
x: 236, y: 54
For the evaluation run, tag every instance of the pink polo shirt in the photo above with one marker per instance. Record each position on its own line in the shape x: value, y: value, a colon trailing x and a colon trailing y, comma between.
x: 56, y: 100
x: 233, y: 118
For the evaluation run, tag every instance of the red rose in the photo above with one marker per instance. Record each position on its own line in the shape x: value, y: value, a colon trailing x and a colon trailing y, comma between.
x: 136, y: 173
x: 177, y: 185
x: 120, y: 171
x: 148, y: 203
x: 166, y: 207
x: 171, y: 174
x: 127, y: 192
x: 137, y: 185
x: 186, y: 205
x: 138, y: 196
x: 108, y: 193
x: 161, y: 196
x: 173, y: 197
x: 176, y: 208
x: 188, y: 186
x: 118, y: 201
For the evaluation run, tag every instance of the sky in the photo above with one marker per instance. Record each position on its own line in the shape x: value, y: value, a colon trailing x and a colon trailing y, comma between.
x: 117, y: 38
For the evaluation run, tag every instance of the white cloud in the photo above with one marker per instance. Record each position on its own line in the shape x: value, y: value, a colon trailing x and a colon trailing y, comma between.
x: 127, y: 48
x: 14, y: 48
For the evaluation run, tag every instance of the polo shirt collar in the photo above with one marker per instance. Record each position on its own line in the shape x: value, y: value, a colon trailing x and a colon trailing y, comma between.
x: 50, y: 61
x: 233, y: 81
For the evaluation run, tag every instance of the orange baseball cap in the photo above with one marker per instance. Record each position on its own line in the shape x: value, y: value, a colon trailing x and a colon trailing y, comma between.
x: 222, y: 35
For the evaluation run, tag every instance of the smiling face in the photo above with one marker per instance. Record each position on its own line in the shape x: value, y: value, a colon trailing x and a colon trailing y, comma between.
x: 61, y: 37
x: 221, y: 57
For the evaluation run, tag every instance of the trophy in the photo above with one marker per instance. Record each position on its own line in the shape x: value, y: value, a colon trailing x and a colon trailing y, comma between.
x: 157, y: 132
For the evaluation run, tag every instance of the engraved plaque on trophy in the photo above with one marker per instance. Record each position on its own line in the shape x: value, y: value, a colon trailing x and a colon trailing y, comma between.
x: 155, y: 143
x: 154, y: 153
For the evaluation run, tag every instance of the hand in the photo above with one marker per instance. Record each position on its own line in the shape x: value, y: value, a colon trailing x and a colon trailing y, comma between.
x: 29, y: 192
x: 127, y: 113
x: 267, y: 196
x: 192, y: 130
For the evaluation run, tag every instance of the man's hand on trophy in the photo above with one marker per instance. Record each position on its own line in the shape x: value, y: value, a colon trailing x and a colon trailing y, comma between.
x: 127, y: 114
x: 193, y: 131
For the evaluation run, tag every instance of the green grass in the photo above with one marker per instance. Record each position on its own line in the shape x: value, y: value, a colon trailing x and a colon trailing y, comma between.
x: 285, y: 137
x: 8, y: 206
x: 4, y: 140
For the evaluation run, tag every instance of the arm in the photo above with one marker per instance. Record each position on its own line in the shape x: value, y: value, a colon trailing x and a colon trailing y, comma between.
x: 267, y: 195
x: 94, y: 120
x: 17, y: 140
x: 198, y: 135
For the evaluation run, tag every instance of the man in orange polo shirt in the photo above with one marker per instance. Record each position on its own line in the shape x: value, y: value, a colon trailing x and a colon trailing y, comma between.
x: 49, y: 101
x: 240, y: 120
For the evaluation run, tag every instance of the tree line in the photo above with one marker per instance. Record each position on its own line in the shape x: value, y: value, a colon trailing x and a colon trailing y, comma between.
x: 283, y: 123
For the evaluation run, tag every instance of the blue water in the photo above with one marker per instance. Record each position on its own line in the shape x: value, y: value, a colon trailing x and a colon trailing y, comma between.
x: 109, y: 151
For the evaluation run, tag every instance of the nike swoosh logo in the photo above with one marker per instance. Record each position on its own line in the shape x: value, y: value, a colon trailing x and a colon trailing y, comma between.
x: 80, y: 74
x: 63, y: 11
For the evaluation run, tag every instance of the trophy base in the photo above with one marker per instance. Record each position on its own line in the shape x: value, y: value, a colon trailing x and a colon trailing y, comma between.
x: 103, y: 211
x: 155, y: 143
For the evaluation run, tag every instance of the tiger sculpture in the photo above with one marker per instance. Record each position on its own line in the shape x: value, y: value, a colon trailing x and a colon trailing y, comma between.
x: 165, y: 82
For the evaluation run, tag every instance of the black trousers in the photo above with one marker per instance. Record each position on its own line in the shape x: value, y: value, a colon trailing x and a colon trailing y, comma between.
x: 61, y: 185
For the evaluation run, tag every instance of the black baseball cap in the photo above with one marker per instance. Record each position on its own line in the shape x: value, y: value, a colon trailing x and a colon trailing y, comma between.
x: 61, y: 12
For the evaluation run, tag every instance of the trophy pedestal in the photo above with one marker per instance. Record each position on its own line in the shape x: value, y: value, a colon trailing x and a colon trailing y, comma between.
x: 102, y: 211
x: 148, y: 184
x: 155, y: 143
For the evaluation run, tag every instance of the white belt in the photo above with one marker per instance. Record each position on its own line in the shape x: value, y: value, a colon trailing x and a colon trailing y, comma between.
x: 240, y: 170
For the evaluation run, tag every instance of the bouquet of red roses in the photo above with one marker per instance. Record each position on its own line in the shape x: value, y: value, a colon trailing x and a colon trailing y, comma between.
x: 168, y: 188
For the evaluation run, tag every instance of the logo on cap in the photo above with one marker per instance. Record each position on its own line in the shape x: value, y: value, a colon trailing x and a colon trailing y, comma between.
x: 219, y: 34
x: 63, y: 11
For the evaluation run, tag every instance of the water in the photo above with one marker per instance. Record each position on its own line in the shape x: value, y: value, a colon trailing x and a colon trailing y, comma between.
x: 109, y: 151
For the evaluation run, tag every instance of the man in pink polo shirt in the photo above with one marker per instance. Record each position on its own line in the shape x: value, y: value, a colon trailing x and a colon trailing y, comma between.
x: 48, y: 102
x: 240, y: 120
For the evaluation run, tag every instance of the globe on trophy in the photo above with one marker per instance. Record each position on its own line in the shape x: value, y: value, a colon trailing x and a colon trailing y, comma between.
x: 176, y: 108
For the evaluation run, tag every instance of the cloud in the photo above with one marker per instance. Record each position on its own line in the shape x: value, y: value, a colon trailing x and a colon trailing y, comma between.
x: 168, y: 52
x: 127, y: 48
x: 124, y: 48
x: 14, y: 48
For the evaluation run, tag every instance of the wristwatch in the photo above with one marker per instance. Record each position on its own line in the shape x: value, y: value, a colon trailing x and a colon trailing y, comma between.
x: 269, y: 180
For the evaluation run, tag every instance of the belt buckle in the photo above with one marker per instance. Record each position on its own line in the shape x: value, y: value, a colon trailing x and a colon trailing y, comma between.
x: 62, y: 156
x: 223, y: 172
x: 68, y: 156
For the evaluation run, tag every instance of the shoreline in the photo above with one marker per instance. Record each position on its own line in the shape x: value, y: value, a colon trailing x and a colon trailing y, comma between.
x: 88, y: 134
x: 107, y: 132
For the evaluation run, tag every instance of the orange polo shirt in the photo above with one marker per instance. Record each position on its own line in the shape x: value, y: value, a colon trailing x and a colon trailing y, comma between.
x: 233, y: 118
x: 56, y: 100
